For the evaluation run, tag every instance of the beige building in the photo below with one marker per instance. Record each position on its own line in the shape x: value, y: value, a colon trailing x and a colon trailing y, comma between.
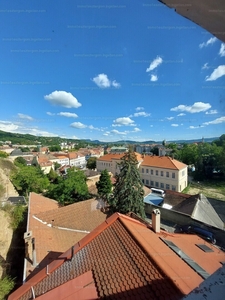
x: 160, y: 172
x: 164, y: 172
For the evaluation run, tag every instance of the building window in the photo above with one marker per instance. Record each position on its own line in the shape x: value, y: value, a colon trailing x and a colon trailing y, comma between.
x: 162, y: 185
x: 173, y: 175
x: 156, y: 184
x: 143, y: 180
x: 146, y: 170
x: 156, y: 172
x: 173, y: 188
x: 152, y: 183
x: 147, y: 181
x: 183, y: 173
x: 167, y: 186
x: 161, y: 173
x: 151, y: 172
x: 143, y: 170
x: 167, y: 174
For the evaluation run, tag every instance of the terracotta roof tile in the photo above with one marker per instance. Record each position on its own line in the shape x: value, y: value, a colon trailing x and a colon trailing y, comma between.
x: 84, y: 215
x: 128, y: 261
x: 165, y: 162
x: 111, y: 156
x: 81, y: 217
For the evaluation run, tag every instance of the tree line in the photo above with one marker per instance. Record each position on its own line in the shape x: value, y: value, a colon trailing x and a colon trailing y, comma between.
x: 207, y: 159
x: 125, y: 195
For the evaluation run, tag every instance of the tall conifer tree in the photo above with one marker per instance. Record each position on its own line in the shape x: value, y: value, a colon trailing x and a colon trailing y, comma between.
x: 104, y: 185
x: 128, y: 191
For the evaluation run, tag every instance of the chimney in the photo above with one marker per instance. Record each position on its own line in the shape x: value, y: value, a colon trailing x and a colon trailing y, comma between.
x: 156, y: 220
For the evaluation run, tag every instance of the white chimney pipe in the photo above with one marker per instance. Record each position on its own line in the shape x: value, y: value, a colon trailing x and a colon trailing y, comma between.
x: 156, y: 220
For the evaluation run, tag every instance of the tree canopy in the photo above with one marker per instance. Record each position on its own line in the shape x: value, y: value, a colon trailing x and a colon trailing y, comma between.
x: 128, y: 194
x: 91, y: 163
x: 104, y: 185
x: 70, y: 189
x: 28, y: 179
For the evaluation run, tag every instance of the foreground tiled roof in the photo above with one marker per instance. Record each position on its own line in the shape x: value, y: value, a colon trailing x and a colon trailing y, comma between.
x: 127, y: 260
x: 71, y: 223
x: 83, y: 215
x: 165, y: 162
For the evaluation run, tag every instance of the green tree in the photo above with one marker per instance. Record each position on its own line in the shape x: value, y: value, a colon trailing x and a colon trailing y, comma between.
x: 155, y: 150
x: 52, y: 175
x: 29, y: 179
x: 54, y: 148
x: 91, y: 163
x: 104, y: 185
x: 3, y: 154
x: 128, y: 191
x: 20, y: 161
x: 24, y: 149
x: 72, y: 188
x: 56, y: 165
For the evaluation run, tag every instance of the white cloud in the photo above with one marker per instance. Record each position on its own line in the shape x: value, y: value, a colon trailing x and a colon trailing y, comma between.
x: 62, y: 98
x: 216, y: 121
x: 38, y: 132
x: 195, y: 127
x: 154, y: 78
x: 209, y: 42
x: 139, y: 108
x: 68, y: 115
x: 115, y: 84
x: 217, y: 73
x: 15, y: 128
x: 154, y: 64
x: 49, y: 113
x: 212, y: 112
x: 180, y: 115
x: 26, y: 117
x: 136, y: 129
x: 103, y: 81
x: 195, y: 108
x: 205, y: 66
x: 119, y: 132
x: 94, y: 128
x: 222, y: 50
x: 125, y: 121
x: 170, y: 118
x: 8, y: 126
x: 174, y: 125
x: 78, y: 125
x: 141, y: 114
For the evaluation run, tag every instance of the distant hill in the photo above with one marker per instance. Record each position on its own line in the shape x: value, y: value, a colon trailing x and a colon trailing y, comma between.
x: 28, y: 139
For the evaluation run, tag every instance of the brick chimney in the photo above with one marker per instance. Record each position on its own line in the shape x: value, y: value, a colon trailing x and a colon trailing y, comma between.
x: 156, y: 220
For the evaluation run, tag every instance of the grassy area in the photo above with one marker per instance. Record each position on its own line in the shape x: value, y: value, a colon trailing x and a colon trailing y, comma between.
x: 6, y: 285
x: 16, y: 214
x: 7, y: 164
x: 210, y: 188
x: 2, y: 189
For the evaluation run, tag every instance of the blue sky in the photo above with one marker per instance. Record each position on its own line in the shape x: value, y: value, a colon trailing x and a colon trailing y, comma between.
x: 99, y: 70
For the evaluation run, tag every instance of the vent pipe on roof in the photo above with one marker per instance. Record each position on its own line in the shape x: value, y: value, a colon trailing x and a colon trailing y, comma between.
x: 156, y: 220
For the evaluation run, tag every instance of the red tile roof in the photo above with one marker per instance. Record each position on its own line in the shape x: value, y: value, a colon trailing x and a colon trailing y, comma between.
x: 109, y: 157
x: 128, y: 261
x: 80, y: 218
x: 164, y: 162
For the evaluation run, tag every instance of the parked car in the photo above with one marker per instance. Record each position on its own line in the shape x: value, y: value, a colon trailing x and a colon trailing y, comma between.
x: 205, y: 234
